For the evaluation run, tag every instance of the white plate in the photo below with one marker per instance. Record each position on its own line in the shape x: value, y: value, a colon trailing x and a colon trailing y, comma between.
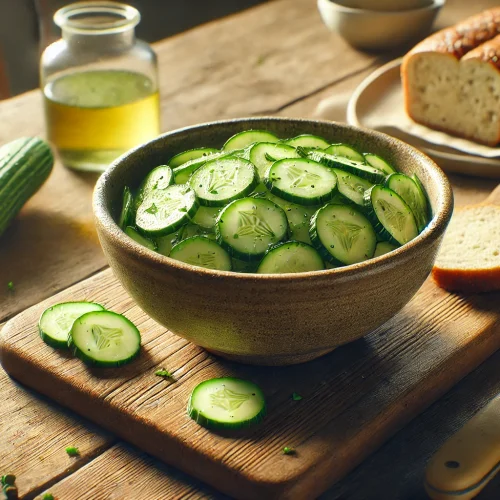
x: 377, y: 103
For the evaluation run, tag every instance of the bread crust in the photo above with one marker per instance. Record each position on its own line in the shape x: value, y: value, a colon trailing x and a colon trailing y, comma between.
x: 477, y: 37
x: 465, y: 36
x: 467, y: 281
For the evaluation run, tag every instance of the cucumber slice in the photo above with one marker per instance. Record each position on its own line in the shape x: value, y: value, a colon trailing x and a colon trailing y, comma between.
x: 424, y: 200
x: 227, y: 403
x: 342, y: 234
x: 241, y: 266
x: 291, y: 257
x: 243, y: 139
x: 104, y: 338
x: 352, y: 187
x: 391, y: 216
x: 191, y: 154
x: 354, y: 167
x: 202, y: 252
x: 383, y: 247
x: 345, y: 151
x: 299, y: 218
x: 167, y: 242
x: 379, y: 163
x: 159, y: 178
x: 248, y: 227
x: 308, y: 141
x: 183, y: 172
x: 56, y: 321
x: 221, y: 181
x: 301, y: 181
x: 206, y: 217
x: 127, y: 213
x: 264, y: 154
x: 139, y: 238
x: 162, y: 212
x: 408, y: 190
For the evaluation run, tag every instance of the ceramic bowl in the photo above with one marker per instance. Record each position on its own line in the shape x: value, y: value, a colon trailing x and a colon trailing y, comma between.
x: 269, y: 319
x: 376, y: 30
x: 386, y: 5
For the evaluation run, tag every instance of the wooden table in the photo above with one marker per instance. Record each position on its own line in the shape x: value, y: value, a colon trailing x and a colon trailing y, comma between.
x: 277, y: 58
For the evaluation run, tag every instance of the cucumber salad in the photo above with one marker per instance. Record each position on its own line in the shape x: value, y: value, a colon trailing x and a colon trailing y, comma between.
x: 262, y: 204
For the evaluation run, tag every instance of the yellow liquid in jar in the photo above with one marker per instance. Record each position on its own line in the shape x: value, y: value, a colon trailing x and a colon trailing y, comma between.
x: 95, y: 116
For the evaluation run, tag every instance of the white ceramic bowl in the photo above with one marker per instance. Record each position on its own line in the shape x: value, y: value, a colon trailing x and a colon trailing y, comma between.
x: 378, y: 30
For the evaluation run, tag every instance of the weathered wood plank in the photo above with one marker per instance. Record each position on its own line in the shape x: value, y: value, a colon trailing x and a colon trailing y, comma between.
x: 354, y: 399
x: 34, y: 433
x: 396, y: 471
x: 123, y: 473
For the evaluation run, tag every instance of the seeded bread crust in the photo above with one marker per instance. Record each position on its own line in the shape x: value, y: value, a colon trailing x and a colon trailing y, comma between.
x: 451, y: 80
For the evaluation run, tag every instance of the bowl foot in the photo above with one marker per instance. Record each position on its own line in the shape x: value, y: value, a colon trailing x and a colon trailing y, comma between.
x: 271, y: 360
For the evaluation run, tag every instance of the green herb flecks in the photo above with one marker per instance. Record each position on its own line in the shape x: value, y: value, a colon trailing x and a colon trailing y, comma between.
x: 287, y: 450
x: 153, y: 209
x: 10, y: 286
x: 72, y: 451
x: 296, y: 397
x: 164, y: 373
x: 48, y: 496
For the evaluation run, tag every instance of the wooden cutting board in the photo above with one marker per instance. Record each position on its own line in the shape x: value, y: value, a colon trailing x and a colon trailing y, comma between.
x: 354, y: 399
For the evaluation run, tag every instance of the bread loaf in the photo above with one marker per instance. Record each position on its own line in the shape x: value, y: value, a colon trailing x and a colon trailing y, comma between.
x: 451, y: 80
x: 469, y: 258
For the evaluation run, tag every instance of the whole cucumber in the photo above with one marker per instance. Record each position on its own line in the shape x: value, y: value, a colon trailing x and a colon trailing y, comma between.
x: 25, y: 165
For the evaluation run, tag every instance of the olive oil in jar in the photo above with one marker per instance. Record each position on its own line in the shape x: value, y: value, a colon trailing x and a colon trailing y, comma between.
x: 95, y: 116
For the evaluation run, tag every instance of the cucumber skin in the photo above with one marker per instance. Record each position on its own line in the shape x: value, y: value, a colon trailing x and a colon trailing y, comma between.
x: 101, y: 364
x: 380, y: 230
x: 25, y: 164
x: 127, y: 214
x: 57, y: 344
x: 200, y: 419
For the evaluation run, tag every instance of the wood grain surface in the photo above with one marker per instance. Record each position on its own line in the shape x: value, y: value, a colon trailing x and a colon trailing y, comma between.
x: 68, y: 193
x: 354, y: 399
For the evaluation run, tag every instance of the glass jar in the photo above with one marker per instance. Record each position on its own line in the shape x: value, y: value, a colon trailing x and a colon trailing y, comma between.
x: 100, y: 85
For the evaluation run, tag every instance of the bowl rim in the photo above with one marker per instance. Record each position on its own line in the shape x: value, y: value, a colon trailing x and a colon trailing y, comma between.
x: 404, y: 254
x: 436, y: 4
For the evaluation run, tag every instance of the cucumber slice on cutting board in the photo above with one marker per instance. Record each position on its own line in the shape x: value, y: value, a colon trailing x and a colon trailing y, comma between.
x: 56, y: 321
x: 227, y: 403
x: 104, y: 339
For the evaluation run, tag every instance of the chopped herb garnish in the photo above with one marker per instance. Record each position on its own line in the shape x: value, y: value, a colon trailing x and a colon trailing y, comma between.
x: 163, y: 373
x: 296, y: 397
x: 214, y: 191
x: 153, y: 209
x: 236, y: 236
x: 289, y: 451
x: 10, y: 286
x: 183, y: 209
x: 8, y: 479
x: 72, y: 451
x: 48, y: 496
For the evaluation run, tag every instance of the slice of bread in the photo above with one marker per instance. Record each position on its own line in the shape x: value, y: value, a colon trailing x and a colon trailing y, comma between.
x: 469, y: 258
x: 451, y: 80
